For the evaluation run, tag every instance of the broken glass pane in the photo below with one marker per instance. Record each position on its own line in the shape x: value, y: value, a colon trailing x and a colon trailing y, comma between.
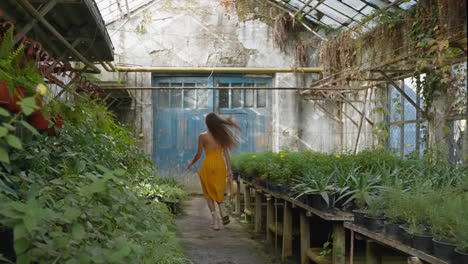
x: 190, y: 96
x: 223, y: 95
x: 176, y: 96
x: 236, y: 96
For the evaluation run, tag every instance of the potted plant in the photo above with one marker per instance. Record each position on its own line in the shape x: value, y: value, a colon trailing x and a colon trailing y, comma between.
x: 361, y: 188
x: 394, y: 212
x: 461, y: 232
x: 417, y: 218
x: 442, y: 219
x: 374, y: 217
x: 319, y: 189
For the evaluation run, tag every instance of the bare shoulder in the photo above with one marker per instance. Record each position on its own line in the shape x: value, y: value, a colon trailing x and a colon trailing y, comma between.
x: 202, y: 136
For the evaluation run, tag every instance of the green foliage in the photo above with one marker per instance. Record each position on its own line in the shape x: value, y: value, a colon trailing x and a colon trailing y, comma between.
x: 77, y: 198
x: 415, y: 191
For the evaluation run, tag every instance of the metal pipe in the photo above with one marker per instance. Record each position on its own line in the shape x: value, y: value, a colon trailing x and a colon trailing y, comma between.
x: 26, y: 5
x: 217, y: 70
x: 222, y: 88
x: 104, y: 65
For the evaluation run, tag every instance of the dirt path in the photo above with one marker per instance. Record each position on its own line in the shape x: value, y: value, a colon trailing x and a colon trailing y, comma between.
x: 230, y: 245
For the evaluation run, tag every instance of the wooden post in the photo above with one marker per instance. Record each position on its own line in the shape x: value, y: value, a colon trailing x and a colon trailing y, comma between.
x: 351, y: 249
x: 287, y: 231
x: 270, y: 218
x: 258, y: 211
x: 247, y: 206
x: 338, y: 254
x: 372, y: 253
x: 305, y: 237
x: 238, y: 199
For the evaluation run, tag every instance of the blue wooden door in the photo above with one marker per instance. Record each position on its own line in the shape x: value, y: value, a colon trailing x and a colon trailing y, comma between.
x: 179, y: 115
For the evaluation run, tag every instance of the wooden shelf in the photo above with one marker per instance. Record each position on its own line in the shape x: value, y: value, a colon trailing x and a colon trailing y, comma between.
x: 278, y: 229
x: 394, y: 244
x: 314, y: 255
x: 340, y: 216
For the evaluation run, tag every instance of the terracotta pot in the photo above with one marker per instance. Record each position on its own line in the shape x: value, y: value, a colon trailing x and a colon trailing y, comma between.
x: 4, y: 93
x: 37, y: 120
x: 8, y: 100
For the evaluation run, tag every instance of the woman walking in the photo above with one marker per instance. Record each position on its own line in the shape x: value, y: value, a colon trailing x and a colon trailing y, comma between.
x: 216, y: 141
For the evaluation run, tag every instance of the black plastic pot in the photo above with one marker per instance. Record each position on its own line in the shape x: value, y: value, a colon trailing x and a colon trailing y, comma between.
x: 460, y: 257
x: 6, y: 246
x: 284, y: 189
x: 404, y: 236
x: 262, y: 183
x: 443, y: 250
x: 318, y: 202
x: 392, y: 231
x: 423, y: 242
x: 358, y: 217
x: 374, y: 223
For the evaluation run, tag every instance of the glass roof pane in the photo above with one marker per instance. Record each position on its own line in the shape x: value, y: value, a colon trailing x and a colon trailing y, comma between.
x: 367, y: 10
x: 378, y: 3
x: 406, y: 5
x: 356, y: 4
x: 332, y: 14
x: 349, y: 12
x: 330, y: 22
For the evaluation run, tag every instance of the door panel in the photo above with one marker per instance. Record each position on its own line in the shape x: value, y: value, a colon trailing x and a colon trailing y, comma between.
x: 179, y: 115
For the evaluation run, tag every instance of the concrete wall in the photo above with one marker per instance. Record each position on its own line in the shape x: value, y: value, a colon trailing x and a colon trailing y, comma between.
x: 197, y: 33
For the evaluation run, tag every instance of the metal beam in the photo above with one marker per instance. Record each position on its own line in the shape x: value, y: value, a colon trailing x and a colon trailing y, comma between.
x: 218, y: 69
x: 42, y: 12
x: 401, y: 91
x: 273, y: 3
x: 315, y: 7
x: 302, y: 8
x: 58, y: 1
x: 34, y: 13
x: 202, y: 88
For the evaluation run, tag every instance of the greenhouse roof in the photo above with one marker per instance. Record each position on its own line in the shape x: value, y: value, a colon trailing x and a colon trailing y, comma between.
x: 340, y: 14
x: 112, y: 10
x: 337, y: 14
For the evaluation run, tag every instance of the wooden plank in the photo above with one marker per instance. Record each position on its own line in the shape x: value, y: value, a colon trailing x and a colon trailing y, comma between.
x: 237, y: 209
x: 276, y: 228
x: 373, y: 255
x: 258, y: 212
x: 287, y: 231
x: 339, y: 243
x: 340, y: 216
x: 305, y: 237
x: 314, y: 255
x: 270, y: 219
x: 247, y: 209
x: 394, y: 244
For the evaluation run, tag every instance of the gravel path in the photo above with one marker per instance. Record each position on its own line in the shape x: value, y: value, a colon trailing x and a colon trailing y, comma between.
x: 230, y: 245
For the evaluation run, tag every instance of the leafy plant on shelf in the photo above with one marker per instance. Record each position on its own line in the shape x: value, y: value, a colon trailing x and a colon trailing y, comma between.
x: 361, y: 188
x: 315, y: 182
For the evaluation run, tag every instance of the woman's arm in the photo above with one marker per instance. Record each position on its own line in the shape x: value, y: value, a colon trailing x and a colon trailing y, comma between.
x: 198, y: 154
x: 227, y: 158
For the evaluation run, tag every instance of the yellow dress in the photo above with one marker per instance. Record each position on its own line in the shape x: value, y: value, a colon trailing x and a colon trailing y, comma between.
x: 213, y: 175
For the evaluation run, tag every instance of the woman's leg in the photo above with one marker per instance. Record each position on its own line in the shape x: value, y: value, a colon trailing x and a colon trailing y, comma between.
x: 214, y: 219
x: 211, y: 205
x: 222, y: 212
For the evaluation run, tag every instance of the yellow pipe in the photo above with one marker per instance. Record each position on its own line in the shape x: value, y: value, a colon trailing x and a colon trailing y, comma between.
x: 216, y: 69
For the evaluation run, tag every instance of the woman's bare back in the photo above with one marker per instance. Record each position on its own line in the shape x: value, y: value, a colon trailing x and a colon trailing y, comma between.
x: 208, y: 141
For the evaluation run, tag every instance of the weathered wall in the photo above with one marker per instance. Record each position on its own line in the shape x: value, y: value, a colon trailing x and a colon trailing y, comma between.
x: 197, y: 33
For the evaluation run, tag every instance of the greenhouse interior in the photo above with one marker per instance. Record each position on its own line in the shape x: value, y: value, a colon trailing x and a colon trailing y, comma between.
x: 233, y: 131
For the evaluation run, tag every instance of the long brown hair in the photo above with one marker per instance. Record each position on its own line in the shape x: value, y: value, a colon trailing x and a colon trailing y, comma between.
x: 220, y: 129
